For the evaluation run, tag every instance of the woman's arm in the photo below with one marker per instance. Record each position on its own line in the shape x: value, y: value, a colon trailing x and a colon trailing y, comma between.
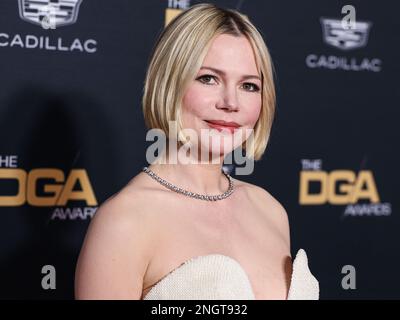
x: 116, y: 251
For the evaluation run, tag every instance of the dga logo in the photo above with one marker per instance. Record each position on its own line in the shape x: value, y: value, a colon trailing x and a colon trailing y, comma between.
x: 356, y: 190
x: 338, y: 187
x: 50, y: 13
x: 47, y: 187
x: 345, y: 38
x: 32, y: 189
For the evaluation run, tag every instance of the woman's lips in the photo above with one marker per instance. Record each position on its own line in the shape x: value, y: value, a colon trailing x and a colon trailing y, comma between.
x: 221, y: 127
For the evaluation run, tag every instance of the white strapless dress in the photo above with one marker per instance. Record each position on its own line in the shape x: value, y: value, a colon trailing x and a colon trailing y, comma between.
x: 220, y: 277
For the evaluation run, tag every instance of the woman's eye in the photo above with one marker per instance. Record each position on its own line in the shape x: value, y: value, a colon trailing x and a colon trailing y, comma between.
x: 254, y: 86
x: 207, y: 76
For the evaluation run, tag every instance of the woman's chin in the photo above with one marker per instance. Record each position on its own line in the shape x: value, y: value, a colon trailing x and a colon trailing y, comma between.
x: 212, y: 148
x: 216, y: 150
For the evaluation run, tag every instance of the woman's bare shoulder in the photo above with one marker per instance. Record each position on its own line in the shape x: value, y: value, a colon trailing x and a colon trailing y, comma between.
x: 140, y: 191
x: 272, y: 207
x: 117, y: 248
x: 139, y: 200
x: 259, y: 194
x: 128, y: 212
x: 128, y: 208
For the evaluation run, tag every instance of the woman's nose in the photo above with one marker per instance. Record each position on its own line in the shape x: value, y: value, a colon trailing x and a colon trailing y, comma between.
x: 229, y: 99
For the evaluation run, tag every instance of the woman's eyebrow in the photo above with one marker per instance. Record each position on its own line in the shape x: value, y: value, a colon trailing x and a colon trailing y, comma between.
x: 248, y: 76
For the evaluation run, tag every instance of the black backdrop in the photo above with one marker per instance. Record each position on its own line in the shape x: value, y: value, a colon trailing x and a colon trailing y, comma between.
x: 72, y: 133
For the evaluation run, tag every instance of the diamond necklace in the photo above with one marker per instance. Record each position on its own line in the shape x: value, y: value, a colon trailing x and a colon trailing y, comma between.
x: 172, y: 187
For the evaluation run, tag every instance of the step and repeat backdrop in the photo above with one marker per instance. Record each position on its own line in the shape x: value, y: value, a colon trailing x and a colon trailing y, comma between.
x: 73, y: 134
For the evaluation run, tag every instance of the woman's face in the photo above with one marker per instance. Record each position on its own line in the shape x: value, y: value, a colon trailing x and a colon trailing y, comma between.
x: 228, y: 88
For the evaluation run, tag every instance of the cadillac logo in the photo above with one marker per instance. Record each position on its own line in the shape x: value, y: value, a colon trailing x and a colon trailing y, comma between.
x: 49, y: 13
x: 345, y: 39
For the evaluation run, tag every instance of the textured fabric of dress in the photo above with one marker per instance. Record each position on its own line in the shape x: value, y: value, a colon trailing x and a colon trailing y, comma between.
x: 219, y: 277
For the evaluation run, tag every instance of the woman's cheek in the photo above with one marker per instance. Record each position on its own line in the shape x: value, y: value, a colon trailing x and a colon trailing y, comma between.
x: 253, y: 115
x: 192, y: 99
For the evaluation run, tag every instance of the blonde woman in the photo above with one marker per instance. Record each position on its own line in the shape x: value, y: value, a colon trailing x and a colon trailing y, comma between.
x: 188, y: 230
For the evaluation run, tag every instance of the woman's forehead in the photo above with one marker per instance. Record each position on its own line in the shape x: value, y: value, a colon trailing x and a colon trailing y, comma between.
x: 231, y: 54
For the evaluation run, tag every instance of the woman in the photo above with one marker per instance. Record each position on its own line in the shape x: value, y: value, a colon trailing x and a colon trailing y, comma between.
x: 154, y: 240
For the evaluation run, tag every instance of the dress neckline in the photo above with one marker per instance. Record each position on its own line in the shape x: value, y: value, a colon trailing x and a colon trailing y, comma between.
x: 300, y: 255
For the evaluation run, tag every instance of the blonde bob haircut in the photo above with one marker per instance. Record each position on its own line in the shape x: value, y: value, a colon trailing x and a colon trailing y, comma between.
x: 177, y: 57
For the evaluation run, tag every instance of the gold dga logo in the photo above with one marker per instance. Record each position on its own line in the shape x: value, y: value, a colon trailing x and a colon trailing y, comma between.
x: 58, y: 194
x: 350, y: 187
